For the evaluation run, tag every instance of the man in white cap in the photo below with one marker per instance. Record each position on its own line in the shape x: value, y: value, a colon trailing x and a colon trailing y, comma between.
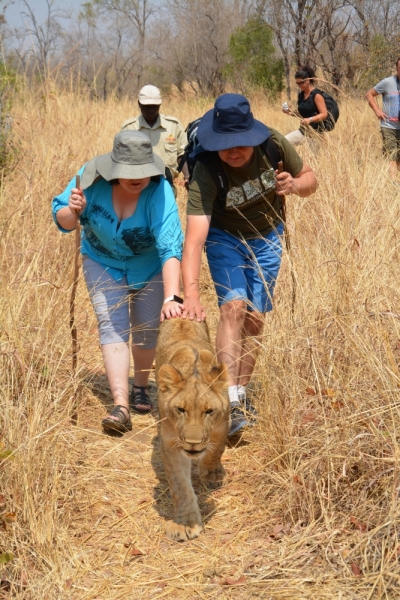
x: 166, y: 133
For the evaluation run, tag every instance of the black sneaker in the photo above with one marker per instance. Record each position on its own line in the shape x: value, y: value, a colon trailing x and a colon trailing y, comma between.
x: 238, y: 420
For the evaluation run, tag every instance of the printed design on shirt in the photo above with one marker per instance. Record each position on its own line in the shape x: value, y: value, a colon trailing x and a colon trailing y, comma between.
x: 98, y: 210
x: 251, y: 191
x: 93, y: 239
x: 138, y: 239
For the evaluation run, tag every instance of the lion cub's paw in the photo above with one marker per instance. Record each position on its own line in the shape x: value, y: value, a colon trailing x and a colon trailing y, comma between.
x: 213, y: 478
x: 182, y: 533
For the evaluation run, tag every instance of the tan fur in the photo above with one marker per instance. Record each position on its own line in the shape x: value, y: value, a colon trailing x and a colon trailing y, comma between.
x: 194, y: 417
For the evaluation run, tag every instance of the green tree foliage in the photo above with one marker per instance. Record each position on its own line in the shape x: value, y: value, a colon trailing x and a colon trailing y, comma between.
x: 252, y: 58
x: 380, y: 61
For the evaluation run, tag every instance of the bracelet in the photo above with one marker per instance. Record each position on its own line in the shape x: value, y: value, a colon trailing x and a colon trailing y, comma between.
x: 173, y: 298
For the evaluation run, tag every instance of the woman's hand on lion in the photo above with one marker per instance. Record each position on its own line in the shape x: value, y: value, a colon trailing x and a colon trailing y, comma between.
x: 194, y: 310
x: 171, y: 310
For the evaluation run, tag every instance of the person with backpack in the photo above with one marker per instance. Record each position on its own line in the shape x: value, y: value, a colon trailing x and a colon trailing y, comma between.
x: 311, y: 107
x: 235, y: 210
x: 389, y: 117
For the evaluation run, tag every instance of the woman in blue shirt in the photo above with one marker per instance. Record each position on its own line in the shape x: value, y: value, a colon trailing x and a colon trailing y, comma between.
x: 131, y: 250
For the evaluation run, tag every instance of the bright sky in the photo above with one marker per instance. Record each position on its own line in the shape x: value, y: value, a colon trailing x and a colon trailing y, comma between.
x: 39, y: 7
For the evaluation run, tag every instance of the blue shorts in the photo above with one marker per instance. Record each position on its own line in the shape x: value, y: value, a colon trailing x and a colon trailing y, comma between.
x: 245, y: 269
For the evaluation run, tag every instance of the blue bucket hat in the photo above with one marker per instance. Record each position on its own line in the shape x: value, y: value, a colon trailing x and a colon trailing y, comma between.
x: 229, y: 124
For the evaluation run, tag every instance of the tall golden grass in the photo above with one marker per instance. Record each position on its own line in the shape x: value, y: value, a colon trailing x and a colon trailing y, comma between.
x: 310, y: 506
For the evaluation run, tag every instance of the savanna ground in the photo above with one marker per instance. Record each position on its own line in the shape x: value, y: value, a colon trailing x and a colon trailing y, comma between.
x: 310, y: 504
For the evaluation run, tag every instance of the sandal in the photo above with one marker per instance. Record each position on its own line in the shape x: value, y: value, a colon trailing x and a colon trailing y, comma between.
x: 123, y: 422
x: 139, y: 400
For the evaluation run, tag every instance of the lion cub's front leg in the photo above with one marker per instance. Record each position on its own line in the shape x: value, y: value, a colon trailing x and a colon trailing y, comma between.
x: 211, y: 471
x: 187, y: 523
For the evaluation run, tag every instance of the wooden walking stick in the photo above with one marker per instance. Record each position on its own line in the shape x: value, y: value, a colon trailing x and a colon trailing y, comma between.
x: 287, y: 241
x: 74, y: 335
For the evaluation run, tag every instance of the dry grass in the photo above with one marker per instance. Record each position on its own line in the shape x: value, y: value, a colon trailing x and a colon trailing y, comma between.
x: 310, y: 506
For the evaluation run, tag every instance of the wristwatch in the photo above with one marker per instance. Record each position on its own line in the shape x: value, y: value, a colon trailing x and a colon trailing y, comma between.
x: 173, y: 298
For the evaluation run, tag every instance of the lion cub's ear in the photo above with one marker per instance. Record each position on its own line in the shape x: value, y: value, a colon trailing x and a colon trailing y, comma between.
x: 169, y: 377
x: 219, y: 377
x: 184, y: 360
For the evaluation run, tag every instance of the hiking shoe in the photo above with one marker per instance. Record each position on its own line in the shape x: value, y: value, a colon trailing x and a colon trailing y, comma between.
x: 238, y: 420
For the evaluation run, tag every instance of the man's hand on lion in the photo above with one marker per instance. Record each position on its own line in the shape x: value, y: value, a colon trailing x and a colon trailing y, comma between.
x: 194, y: 310
x: 171, y: 310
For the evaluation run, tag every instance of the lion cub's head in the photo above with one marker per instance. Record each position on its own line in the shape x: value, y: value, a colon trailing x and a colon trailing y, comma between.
x: 193, y: 401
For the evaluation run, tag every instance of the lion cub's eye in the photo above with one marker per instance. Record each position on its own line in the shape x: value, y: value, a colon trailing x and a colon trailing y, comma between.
x: 209, y: 411
x: 180, y: 409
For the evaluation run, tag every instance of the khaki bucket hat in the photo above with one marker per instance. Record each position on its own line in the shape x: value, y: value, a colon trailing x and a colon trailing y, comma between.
x: 132, y: 157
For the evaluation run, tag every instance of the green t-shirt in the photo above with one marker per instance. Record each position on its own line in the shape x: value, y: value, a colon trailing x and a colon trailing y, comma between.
x: 251, y: 207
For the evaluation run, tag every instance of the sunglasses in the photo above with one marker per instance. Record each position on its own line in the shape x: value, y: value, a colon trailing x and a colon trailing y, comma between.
x: 301, y: 82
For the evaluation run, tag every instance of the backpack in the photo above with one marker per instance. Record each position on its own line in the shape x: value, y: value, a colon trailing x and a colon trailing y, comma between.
x: 191, y: 146
x: 332, y: 108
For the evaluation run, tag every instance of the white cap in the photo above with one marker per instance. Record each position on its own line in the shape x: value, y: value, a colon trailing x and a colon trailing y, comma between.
x: 150, y: 94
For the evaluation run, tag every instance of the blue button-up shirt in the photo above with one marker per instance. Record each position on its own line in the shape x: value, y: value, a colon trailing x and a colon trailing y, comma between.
x: 137, y: 246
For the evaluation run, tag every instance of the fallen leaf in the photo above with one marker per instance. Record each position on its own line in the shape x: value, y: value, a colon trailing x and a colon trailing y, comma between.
x: 24, y: 578
x: 310, y: 391
x: 10, y: 517
x: 328, y: 392
x: 2, y: 499
x: 232, y: 581
x: 356, y: 569
x: 345, y: 552
x: 6, y: 557
x: 68, y: 583
x: 136, y: 552
x: 337, y: 404
x: 119, y: 512
x: 145, y: 499
x: 308, y: 417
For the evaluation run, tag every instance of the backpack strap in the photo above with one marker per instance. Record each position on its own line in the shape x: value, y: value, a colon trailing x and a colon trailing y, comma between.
x: 313, y: 93
x: 215, y: 168
x: 270, y: 150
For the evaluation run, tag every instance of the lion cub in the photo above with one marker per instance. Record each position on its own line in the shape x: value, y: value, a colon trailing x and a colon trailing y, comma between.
x: 194, y: 417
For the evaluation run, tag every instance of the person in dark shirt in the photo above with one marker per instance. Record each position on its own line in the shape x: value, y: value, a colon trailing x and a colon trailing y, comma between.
x: 242, y: 234
x: 311, y: 107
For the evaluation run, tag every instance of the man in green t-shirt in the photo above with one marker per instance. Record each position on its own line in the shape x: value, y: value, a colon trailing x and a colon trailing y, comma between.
x: 240, y: 222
